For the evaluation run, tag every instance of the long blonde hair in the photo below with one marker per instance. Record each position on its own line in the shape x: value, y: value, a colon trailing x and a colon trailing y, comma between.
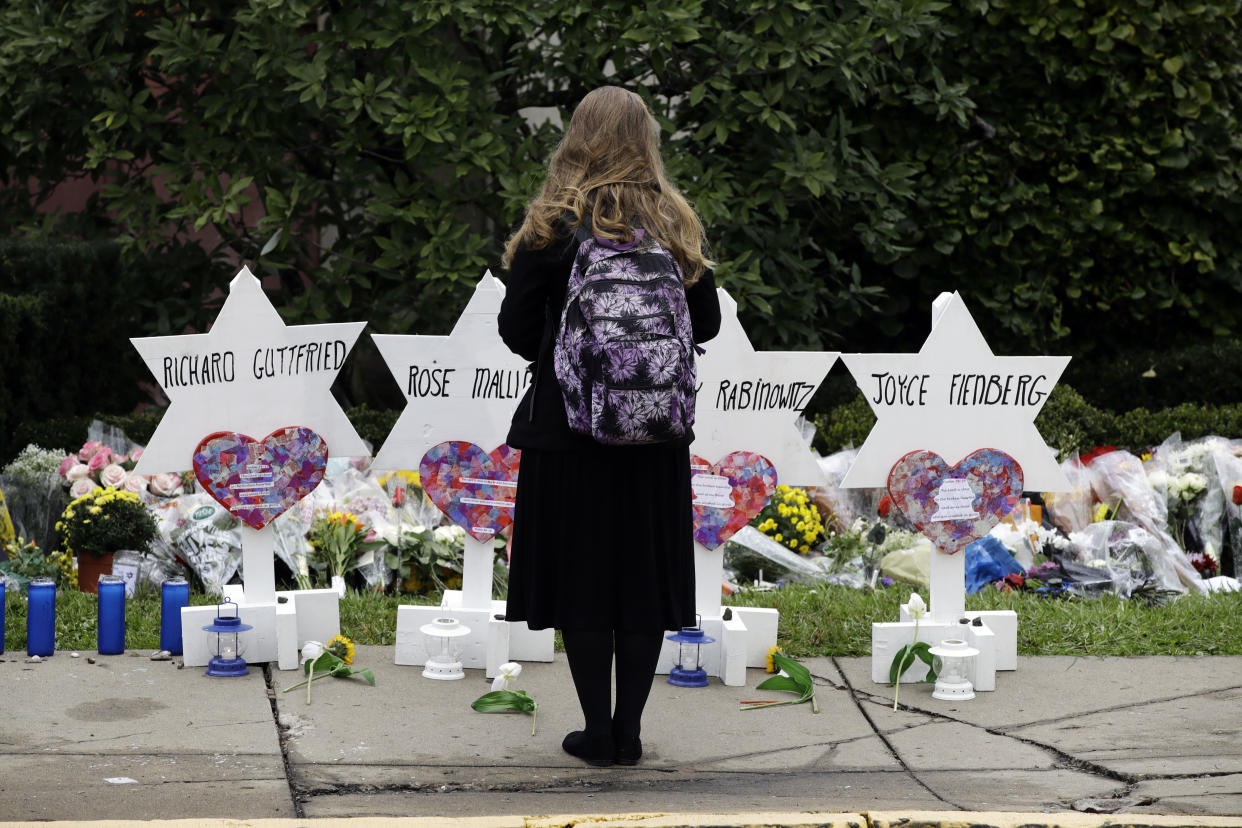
x: 608, y: 166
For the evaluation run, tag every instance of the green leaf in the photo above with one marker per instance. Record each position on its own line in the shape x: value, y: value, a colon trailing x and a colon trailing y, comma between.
x: 325, y: 663
x: 500, y: 700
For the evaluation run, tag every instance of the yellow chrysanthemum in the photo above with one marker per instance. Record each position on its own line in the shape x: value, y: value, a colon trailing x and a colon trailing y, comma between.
x: 342, y: 648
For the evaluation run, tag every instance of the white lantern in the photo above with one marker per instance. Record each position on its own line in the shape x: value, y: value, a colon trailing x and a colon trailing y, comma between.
x: 952, y: 660
x: 442, y: 639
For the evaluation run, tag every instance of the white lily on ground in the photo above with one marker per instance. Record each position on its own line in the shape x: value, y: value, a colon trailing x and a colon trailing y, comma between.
x: 509, y: 671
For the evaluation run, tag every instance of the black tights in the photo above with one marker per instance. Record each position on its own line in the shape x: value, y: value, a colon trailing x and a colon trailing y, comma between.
x: 590, y: 654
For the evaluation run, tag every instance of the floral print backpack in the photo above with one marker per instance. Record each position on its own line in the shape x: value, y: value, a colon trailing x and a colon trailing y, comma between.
x: 624, y: 352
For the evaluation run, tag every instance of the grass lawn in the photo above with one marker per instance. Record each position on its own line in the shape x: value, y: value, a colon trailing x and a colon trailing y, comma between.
x: 815, y: 621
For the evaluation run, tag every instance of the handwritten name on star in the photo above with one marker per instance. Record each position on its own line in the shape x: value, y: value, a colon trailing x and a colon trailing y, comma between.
x: 264, y: 362
x: 959, y: 390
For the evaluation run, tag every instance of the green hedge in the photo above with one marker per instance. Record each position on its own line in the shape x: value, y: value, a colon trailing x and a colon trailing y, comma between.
x: 66, y: 313
x: 1067, y: 423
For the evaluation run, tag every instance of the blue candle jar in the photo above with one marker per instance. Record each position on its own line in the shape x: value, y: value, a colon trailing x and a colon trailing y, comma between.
x: 111, y: 637
x: 174, y: 594
x: 41, y: 617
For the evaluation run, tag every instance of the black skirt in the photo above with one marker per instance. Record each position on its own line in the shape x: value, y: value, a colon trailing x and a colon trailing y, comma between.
x: 603, y: 539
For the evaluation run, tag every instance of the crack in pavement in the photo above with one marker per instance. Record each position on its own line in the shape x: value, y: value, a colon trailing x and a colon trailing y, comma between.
x: 884, y: 738
x: 298, y: 811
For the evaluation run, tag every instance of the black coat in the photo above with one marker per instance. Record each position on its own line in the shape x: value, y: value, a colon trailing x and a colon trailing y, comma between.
x: 529, y: 316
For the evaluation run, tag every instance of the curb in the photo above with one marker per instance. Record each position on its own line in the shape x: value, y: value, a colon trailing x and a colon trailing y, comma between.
x: 866, y: 819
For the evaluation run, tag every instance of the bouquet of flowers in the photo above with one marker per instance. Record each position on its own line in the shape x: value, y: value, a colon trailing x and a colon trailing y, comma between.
x: 338, y: 538
x: 104, y: 521
x: 791, y: 519
x: 26, y: 561
x: 33, y: 495
x: 425, y: 560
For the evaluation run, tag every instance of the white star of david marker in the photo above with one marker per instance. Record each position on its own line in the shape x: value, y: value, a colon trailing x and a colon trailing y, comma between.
x: 250, y: 374
x: 749, y: 400
x: 463, y: 386
x: 953, y: 397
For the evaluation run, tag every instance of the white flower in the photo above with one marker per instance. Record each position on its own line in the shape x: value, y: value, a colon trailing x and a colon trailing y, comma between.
x: 81, y: 487
x: 509, y: 671
x: 312, y: 650
x: 916, y: 607
x: 79, y: 472
x: 112, y: 476
x: 450, y: 534
x: 165, y: 485
x: 1188, y: 486
x: 135, y: 483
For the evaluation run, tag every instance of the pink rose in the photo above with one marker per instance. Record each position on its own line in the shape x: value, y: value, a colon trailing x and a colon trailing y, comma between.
x: 89, y: 450
x: 81, y: 487
x: 165, y: 485
x: 100, y: 459
x: 112, y: 476
x: 136, y: 454
x: 78, y: 472
x: 65, y: 465
x: 135, y: 483
x: 120, y: 459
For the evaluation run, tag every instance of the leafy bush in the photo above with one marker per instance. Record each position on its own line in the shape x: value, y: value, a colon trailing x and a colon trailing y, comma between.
x: 62, y: 306
x: 372, y: 425
x: 1134, y: 377
x: 1067, y: 422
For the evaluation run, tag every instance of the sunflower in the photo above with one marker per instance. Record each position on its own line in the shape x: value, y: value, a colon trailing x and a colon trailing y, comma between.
x: 769, y: 663
x: 342, y: 648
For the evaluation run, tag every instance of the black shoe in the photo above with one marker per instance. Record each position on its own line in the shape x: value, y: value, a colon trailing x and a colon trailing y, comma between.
x: 594, y: 750
x: 629, y: 751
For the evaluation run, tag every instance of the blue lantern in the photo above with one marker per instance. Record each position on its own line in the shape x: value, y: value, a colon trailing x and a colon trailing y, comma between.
x: 689, y: 671
x: 226, y: 643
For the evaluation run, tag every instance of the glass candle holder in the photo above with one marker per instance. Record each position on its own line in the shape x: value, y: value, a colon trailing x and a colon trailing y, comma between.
x: 111, y: 633
x: 174, y: 594
x: 689, y: 671
x: 41, y: 617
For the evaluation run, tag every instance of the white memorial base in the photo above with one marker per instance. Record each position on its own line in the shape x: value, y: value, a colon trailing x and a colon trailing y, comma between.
x: 492, y: 641
x: 281, y: 625
x: 741, y: 641
x: 996, y: 638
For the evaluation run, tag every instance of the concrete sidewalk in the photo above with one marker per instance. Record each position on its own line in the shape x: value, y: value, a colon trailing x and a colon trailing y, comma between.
x: 129, y: 738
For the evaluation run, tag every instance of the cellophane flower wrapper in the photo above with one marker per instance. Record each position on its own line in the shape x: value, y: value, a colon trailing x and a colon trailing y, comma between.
x: 34, y: 507
x: 1229, y: 473
x: 111, y: 436
x: 291, y: 545
x: 208, y: 539
x: 1195, y: 491
x: 1120, y: 475
x: 750, y: 550
x: 1071, y: 511
x: 155, y: 566
x: 355, y: 491
x: 846, y: 504
x: 1116, y: 556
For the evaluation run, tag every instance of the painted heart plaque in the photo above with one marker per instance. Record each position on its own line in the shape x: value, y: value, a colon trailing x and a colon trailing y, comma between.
x: 955, y: 505
x: 257, y: 480
x: 727, y: 495
x: 473, y: 487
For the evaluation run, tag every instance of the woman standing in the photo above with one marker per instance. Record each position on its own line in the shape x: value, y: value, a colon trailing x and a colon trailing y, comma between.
x: 602, y: 535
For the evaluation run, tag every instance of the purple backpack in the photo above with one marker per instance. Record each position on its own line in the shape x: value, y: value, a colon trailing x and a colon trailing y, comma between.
x: 624, y: 353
